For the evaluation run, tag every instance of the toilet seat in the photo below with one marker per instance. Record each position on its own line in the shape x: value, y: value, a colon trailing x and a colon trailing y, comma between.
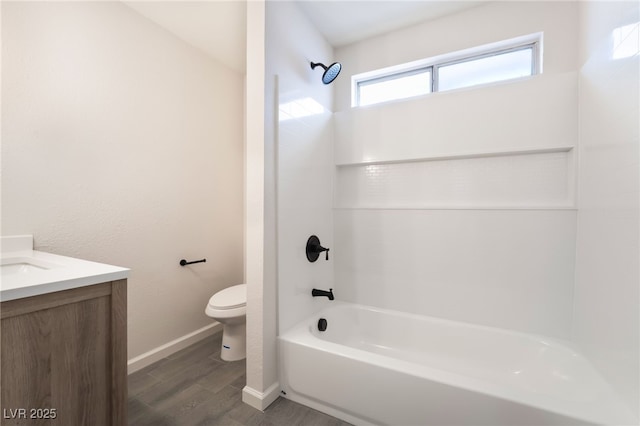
x: 230, y: 298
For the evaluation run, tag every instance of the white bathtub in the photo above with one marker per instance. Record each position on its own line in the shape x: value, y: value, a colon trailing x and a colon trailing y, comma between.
x: 375, y: 366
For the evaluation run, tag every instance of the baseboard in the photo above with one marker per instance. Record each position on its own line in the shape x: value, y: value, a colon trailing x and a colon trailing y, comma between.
x: 260, y: 400
x: 173, y: 346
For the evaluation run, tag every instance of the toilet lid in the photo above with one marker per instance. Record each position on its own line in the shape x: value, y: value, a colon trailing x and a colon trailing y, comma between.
x: 229, y: 298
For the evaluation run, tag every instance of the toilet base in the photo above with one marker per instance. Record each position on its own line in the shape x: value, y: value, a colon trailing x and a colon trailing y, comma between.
x: 234, y: 342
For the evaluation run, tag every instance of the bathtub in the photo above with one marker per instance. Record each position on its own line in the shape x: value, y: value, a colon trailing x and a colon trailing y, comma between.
x: 376, y: 366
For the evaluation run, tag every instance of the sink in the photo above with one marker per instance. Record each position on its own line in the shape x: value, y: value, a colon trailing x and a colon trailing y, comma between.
x: 26, y: 272
x: 24, y: 265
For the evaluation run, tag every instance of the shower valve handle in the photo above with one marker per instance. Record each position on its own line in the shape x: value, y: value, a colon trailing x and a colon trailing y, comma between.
x: 319, y: 249
x: 314, y: 249
x: 326, y: 250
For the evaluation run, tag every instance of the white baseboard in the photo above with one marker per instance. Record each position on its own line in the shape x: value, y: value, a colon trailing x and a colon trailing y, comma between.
x: 173, y: 346
x: 260, y: 400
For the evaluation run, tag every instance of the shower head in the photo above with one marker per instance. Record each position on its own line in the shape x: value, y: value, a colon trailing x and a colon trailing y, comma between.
x: 330, y: 72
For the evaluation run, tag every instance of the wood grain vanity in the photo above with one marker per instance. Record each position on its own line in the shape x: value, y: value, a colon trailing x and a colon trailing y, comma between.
x: 64, y: 357
x: 63, y: 339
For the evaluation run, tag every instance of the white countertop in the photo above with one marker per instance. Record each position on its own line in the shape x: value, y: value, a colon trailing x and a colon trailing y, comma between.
x: 27, y: 272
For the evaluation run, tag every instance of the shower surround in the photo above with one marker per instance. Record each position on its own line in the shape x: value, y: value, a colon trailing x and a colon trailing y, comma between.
x: 459, y: 205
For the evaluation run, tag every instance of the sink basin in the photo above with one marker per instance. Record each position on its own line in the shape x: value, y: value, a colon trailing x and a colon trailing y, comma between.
x: 24, y: 265
x: 26, y: 272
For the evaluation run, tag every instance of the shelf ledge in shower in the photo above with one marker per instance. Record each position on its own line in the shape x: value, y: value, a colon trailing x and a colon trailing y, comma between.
x: 462, y: 156
x: 568, y: 208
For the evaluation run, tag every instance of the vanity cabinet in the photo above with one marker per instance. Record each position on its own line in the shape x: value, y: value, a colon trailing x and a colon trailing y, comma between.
x: 64, y: 357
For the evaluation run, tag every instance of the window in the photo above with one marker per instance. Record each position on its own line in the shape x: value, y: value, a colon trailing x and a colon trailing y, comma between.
x: 502, y: 61
x: 398, y: 86
x: 487, y: 69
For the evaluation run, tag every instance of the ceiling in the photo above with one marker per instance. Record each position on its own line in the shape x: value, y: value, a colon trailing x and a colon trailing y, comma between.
x: 218, y: 27
x: 345, y: 22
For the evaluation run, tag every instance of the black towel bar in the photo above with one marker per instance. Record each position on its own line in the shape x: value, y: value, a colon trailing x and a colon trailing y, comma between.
x: 184, y: 262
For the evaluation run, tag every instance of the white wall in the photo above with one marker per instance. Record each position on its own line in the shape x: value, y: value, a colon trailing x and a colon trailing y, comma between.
x: 303, y: 149
x: 607, y: 313
x: 461, y: 204
x: 122, y: 144
x: 262, y: 375
x: 510, y: 269
x: 279, y: 38
x: 530, y: 114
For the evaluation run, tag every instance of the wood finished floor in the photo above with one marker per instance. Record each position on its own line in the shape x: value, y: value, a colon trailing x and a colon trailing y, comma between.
x: 195, y: 387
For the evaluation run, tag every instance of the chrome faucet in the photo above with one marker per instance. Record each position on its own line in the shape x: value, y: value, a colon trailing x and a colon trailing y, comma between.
x: 315, y: 293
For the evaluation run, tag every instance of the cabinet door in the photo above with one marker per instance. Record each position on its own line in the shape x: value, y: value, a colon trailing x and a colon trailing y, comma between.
x: 59, y: 358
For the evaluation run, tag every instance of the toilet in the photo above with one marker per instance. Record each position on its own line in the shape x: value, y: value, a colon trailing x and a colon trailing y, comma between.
x: 229, y: 307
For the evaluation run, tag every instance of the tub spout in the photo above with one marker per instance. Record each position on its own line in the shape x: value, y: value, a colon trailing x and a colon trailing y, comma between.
x: 315, y: 293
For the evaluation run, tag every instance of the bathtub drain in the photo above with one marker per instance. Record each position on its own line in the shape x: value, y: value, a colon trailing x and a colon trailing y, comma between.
x: 322, y: 324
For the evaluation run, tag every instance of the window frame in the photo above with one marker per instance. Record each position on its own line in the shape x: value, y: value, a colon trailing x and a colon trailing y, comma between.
x: 532, y: 41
